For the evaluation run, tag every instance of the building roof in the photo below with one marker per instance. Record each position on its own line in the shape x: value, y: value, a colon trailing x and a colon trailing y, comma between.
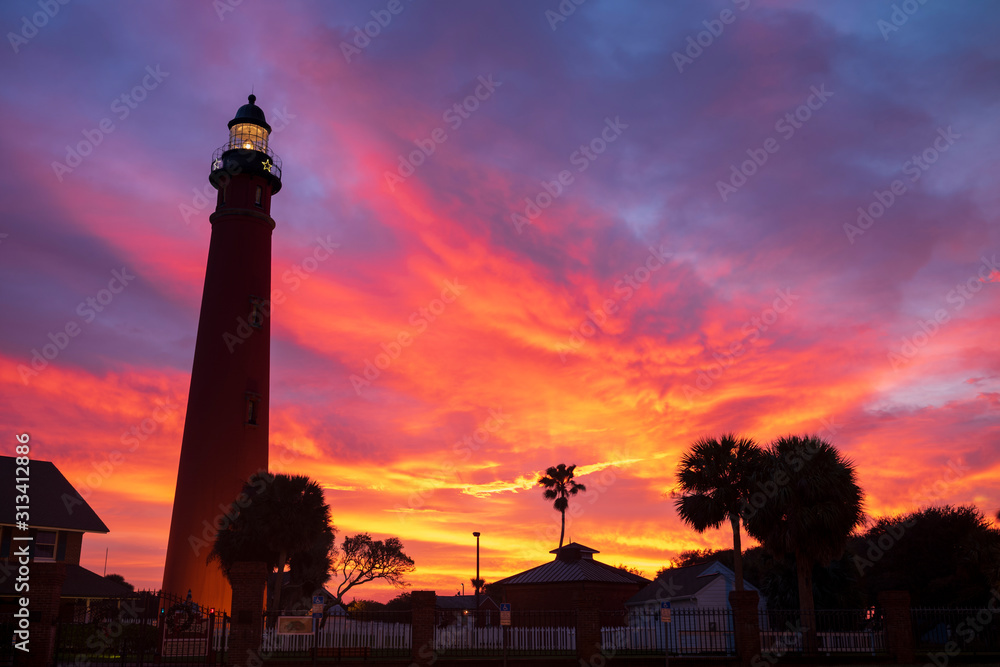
x: 80, y: 583
x: 574, y: 562
x: 683, y: 582
x: 463, y: 602
x: 54, y: 501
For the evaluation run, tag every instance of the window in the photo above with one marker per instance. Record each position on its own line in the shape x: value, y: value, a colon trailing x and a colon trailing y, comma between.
x: 224, y: 194
x: 253, y: 408
x: 45, y: 545
x: 257, y: 312
x: 256, y: 197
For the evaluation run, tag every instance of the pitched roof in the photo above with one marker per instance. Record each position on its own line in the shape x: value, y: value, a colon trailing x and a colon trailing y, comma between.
x: 54, y: 501
x: 463, y: 601
x: 80, y: 583
x: 574, y: 562
x: 682, y: 582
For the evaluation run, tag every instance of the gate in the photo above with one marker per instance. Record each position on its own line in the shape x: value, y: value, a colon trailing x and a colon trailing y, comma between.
x: 140, y: 629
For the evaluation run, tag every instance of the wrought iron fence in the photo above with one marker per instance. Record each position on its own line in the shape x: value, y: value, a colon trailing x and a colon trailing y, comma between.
x: 824, y: 631
x: 142, y: 628
x: 462, y: 633
x: 691, y: 631
x: 362, y: 634
x: 953, y: 631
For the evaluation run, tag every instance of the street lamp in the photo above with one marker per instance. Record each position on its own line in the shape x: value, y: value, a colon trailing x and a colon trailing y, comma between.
x: 476, y: 535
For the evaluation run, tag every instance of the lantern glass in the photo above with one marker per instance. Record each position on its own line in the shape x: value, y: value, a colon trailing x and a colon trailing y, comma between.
x: 248, y: 136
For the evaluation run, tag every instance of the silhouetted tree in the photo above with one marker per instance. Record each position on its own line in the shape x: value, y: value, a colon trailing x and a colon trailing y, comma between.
x: 559, y: 486
x: 277, y: 519
x: 812, y: 506
x: 944, y: 556
x: 362, y: 559
x: 715, y: 481
x: 119, y: 579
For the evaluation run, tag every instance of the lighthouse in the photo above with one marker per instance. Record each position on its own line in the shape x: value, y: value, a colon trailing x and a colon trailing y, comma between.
x: 226, y: 425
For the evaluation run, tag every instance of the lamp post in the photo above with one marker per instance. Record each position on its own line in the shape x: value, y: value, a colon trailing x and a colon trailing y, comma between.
x: 476, y: 535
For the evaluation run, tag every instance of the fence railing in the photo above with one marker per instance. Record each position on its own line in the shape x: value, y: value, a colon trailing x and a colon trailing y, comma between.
x: 970, y: 631
x: 459, y: 633
x: 834, y: 631
x: 695, y: 631
x: 140, y: 629
x: 373, y: 634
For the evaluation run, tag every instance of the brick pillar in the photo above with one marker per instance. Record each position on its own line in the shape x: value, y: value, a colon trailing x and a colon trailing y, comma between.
x: 746, y: 625
x: 422, y: 644
x: 588, y: 627
x: 46, y: 581
x: 246, y: 626
x: 898, y: 626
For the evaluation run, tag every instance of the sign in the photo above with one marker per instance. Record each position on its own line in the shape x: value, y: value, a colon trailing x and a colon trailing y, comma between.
x: 504, y: 613
x: 318, y: 600
x: 665, y: 612
x: 317, y: 609
x: 294, y: 625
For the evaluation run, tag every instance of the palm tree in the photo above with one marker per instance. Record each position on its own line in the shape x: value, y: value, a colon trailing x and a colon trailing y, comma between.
x: 813, y: 505
x: 559, y: 486
x: 277, y: 518
x: 715, y: 480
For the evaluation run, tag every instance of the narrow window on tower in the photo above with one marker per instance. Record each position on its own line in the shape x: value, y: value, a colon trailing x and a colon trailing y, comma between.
x: 223, y: 191
x: 256, y: 197
x: 253, y: 408
x: 256, y: 319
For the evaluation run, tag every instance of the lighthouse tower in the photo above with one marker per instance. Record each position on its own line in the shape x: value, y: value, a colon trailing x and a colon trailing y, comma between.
x: 226, y: 427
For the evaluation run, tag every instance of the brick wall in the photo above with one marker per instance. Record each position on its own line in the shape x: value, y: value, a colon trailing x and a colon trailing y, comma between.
x: 248, y: 581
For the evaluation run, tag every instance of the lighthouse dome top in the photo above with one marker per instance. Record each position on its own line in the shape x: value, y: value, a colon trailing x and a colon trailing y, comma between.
x: 250, y: 113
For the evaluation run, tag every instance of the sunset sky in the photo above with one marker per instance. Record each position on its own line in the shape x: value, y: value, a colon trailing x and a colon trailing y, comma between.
x: 649, y: 224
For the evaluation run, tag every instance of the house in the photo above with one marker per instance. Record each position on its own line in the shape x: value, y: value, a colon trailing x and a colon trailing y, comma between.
x: 700, y: 614
x: 571, y: 576
x: 454, y: 609
x: 706, y: 585
x: 58, y: 517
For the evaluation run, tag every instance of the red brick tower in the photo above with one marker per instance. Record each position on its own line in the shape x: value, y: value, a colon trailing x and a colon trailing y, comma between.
x: 226, y: 427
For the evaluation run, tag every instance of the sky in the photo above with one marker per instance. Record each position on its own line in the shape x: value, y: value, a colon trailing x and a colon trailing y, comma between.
x: 604, y: 228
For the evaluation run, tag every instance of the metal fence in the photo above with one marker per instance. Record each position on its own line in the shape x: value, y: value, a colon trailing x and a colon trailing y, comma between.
x: 952, y: 631
x: 695, y: 631
x: 142, y: 628
x: 463, y: 633
x: 834, y: 631
x: 372, y: 634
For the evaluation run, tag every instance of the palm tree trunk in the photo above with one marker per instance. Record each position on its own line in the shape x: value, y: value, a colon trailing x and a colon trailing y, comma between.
x: 563, y: 531
x: 282, y: 557
x: 737, y: 551
x: 807, y: 607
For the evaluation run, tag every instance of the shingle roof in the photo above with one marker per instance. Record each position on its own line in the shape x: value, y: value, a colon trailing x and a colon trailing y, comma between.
x: 682, y: 582
x: 54, y: 501
x: 574, y: 562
